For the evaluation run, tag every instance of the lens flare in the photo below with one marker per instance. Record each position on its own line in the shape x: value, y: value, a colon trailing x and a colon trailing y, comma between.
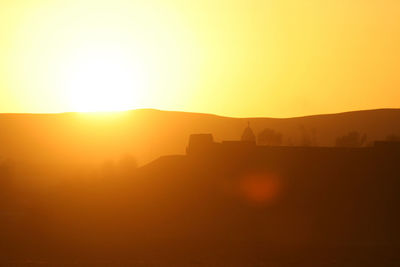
x: 261, y: 188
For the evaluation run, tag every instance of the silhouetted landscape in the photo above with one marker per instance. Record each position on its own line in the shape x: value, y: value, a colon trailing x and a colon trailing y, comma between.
x: 199, y: 133
x: 149, y: 134
x: 150, y: 188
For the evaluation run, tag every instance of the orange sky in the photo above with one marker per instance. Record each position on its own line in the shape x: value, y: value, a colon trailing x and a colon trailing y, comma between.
x: 236, y: 58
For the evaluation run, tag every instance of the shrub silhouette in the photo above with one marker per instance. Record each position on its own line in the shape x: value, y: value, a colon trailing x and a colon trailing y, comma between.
x: 352, y: 139
x: 269, y: 137
x: 308, y: 137
x: 125, y: 166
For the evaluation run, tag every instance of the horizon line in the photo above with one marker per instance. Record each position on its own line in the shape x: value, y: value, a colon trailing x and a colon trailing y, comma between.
x: 191, y: 112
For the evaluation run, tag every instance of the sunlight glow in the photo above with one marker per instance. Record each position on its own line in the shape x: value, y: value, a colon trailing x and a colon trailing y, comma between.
x: 103, y: 80
x: 236, y: 59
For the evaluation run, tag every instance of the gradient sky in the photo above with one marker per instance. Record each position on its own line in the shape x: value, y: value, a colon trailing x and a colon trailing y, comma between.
x: 276, y: 58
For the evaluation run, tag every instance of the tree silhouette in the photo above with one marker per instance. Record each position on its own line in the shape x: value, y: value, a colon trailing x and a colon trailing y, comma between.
x: 308, y: 137
x: 352, y: 139
x: 269, y: 137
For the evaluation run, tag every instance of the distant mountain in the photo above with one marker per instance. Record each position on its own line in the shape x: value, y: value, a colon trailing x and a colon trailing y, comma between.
x: 148, y: 134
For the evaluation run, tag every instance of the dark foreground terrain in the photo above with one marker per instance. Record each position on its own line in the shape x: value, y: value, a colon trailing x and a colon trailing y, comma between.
x: 278, y: 207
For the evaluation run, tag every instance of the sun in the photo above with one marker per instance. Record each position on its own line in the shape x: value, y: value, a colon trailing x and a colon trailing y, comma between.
x: 103, y: 79
x: 90, y: 56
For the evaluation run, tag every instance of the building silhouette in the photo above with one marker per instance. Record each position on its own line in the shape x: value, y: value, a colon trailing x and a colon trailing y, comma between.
x: 200, y: 143
x: 248, y: 134
x: 204, y: 145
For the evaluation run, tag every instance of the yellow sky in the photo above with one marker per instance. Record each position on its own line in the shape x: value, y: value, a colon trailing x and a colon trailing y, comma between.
x: 237, y: 58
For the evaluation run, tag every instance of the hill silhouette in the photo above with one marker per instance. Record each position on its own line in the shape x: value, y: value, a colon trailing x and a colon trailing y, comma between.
x: 148, y: 134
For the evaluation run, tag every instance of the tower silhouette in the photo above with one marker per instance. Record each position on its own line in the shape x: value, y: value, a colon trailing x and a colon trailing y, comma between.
x: 248, y: 134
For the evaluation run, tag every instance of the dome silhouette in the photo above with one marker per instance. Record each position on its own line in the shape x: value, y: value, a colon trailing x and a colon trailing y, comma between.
x: 248, y: 134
